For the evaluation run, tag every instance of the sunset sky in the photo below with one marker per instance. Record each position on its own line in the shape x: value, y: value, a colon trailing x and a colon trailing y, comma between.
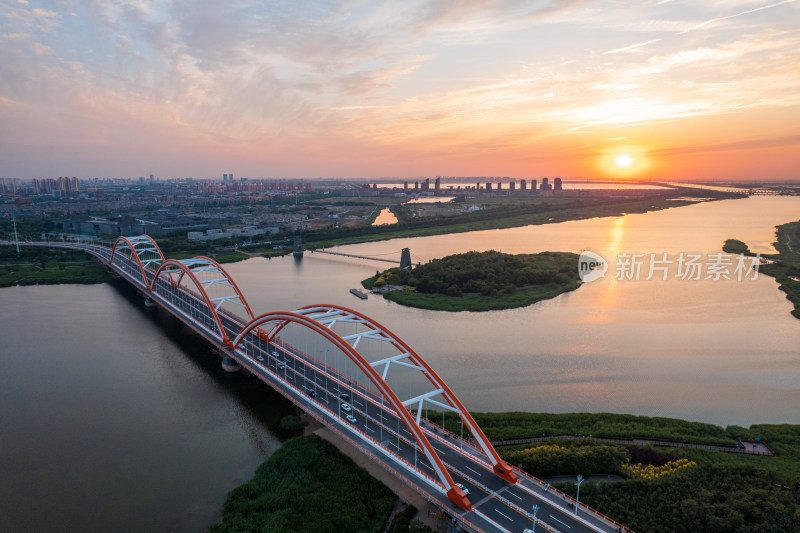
x: 680, y: 89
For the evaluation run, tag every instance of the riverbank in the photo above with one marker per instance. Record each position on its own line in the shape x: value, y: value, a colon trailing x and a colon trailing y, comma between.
x: 783, y: 266
x: 480, y: 281
x: 513, y: 214
x: 652, y: 489
x: 41, y: 266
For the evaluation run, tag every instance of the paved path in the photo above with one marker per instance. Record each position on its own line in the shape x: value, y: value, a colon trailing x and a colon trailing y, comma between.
x: 751, y: 448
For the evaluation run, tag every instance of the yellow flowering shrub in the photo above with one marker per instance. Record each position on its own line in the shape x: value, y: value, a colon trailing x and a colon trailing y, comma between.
x: 648, y: 472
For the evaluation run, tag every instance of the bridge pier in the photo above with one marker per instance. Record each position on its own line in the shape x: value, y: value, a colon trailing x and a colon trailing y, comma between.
x: 149, y: 302
x: 229, y: 364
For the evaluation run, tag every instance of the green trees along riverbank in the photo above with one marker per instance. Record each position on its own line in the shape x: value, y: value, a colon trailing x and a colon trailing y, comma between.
x: 481, y: 281
x: 783, y: 266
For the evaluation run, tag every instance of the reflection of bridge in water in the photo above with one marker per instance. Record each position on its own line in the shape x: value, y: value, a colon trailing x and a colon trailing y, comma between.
x: 360, y: 380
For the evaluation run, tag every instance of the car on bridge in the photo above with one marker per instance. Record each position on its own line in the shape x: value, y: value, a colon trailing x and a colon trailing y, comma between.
x: 260, y: 358
x: 346, y: 408
x: 344, y: 396
x: 463, y: 488
x: 281, y: 366
x: 351, y: 419
x: 276, y: 355
x: 311, y: 392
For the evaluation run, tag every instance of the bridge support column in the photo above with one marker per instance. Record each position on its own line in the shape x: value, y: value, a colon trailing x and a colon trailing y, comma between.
x: 229, y: 364
x: 149, y: 302
x: 504, y: 470
x: 458, y: 497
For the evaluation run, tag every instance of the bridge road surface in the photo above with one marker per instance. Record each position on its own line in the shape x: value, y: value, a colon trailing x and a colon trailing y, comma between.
x: 509, y: 506
x: 499, y: 505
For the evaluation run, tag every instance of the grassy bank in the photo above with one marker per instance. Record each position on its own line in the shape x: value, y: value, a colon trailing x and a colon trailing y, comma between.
x: 786, y: 268
x: 46, y: 266
x: 481, y: 281
x: 478, y: 302
x: 307, y: 485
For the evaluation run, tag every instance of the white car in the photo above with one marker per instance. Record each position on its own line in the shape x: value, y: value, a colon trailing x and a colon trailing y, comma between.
x: 275, y: 354
x: 260, y: 358
x: 463, y: 488
x: 281, y: 366
x: 345, y: 408
x: 351, y: 419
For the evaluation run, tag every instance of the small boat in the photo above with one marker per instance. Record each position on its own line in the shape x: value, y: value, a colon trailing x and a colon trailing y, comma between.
x: 359, y: 293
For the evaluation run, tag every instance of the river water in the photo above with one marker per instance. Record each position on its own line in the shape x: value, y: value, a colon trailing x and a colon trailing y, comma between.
x: 113, y: 418
x: 726, y: 352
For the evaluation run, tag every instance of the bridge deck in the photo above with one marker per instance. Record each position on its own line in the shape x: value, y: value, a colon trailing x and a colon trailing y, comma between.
x: 377, y: 428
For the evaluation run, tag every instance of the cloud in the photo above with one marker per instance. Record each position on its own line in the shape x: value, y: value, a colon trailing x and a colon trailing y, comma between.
x: 753, y: 144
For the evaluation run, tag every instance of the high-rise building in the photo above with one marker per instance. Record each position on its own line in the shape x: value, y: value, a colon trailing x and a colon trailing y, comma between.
x: 557, y: 184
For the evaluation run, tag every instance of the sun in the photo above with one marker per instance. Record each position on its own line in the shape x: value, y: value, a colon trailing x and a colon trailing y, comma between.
x: 623, y: 160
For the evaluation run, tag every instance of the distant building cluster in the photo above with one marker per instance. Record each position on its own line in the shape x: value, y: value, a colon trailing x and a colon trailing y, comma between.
x: 62, y: 185
x: 10, y: 185
x: 230, y: 233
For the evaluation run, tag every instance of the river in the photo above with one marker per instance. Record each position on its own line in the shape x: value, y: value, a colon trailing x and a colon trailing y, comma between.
x: 718, y: 351
x: 114, y: 418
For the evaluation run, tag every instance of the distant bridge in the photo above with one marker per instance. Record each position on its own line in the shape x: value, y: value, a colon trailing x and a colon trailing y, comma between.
x: 405, y: 257
x: 360, y: 380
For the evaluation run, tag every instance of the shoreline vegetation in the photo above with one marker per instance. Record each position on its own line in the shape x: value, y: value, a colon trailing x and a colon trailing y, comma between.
x: 49, y: 266
x: 480, y: 281
x: 309, y: 485
x: 669, y: 489
x: 784, y: 266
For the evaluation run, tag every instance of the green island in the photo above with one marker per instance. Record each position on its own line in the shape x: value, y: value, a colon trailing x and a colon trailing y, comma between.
x: 480, y: 281
x: 783, y: 266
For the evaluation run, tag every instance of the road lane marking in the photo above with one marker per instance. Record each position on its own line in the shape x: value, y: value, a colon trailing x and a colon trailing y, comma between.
x: 501, y: 514
x: 475, y: 471
x: 560, y: 522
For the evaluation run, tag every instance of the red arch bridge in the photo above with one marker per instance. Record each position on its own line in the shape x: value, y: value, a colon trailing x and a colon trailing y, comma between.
x: 359, y: 379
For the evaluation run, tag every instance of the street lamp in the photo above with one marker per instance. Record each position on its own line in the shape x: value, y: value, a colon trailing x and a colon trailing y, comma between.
x: 535, y: 510
x: 578, y: 496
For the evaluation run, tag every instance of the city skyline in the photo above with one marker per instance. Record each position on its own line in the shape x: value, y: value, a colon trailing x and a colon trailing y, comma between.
x: 660, y: 90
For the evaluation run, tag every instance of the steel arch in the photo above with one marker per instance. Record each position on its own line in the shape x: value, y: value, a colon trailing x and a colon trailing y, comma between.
x: 139, y: 245
x: 190, y: 267
x: 285, y: 317
x: 334, y: 312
